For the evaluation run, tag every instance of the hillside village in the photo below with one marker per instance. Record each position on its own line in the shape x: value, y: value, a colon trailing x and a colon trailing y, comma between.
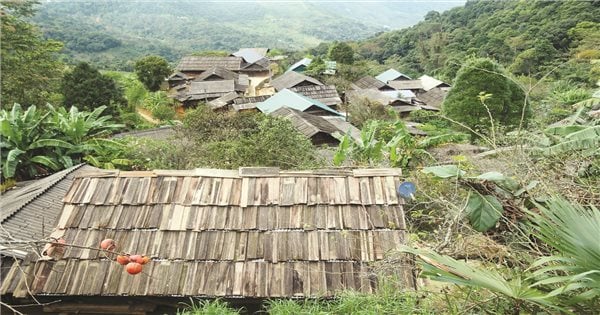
x: 243, y: 81
x: 451, y: 167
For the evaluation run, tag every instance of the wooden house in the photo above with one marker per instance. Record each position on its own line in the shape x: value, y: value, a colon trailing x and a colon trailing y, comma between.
x: 287, y: 98
x: 326, y: 94
x: 248, y: 103
x: 319, y: 130
x: 245, y: 235
x: 293, y: 79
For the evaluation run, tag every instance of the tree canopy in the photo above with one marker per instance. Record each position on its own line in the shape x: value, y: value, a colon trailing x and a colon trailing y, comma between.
x: 152, y: 71
x: 86, y: 88
x: 342, y: 53
x: 30, y: 68
x: 482, y: 89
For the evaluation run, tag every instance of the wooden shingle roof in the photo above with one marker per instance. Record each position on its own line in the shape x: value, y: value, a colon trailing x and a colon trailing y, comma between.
x: 326, y: 94
x: 217, y: 73
x: 253, y: 232
x: 307, y: 124
x: 201, y: 63
x: 368, y: 82
x: 292, y: 79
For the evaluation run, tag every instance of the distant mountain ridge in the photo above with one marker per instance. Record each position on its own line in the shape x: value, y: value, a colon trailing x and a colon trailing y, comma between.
x: 111, y: 32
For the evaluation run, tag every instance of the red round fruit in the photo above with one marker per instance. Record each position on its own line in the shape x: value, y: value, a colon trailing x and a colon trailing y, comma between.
x: 108, y: 244
x: 145, y: 260
x: 134, y: 268
x: 123, y: 260
x: 136, y: 258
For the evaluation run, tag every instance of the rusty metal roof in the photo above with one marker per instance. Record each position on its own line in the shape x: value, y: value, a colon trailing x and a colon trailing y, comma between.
x: 252, y: 232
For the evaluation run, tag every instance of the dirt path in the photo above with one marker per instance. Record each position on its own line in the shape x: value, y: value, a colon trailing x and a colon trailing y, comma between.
x: 147, y: 115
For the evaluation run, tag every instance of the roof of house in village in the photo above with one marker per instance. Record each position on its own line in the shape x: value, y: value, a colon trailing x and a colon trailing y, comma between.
x: 177, y: 75
x: 248, y: 102
x: 251, y: 55
x: 344, y: 126
x: 291, y: 79
x: 219, y: 72
x: 30, y: 211
x: 162, y: 133
x: 252, y: 232
x: 223, y: 100
x: 391, y: 75
x: 302, y: 62
x: 377, y: 96
x: 308, y: 124
x: 326, y: 94
x: 209, y: 87
x: 406, y: 85
x: 434, y: 97
x: 368, y: 82
x: 430, y: 82
x: 405, y: 94
x: 257, y: 66
x: 293, y: 100
x: 203, y: 63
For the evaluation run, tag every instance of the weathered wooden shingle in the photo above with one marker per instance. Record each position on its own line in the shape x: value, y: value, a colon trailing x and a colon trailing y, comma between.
x: 257, y: 232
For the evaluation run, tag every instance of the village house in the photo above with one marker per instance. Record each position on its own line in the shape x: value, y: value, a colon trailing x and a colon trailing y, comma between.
x: 369, y: 82
x: 293, y: 79
x: 243, y: 235
x: 287, y: 98
x: 318, y: 129
x: 326, y: 94
x: 392, y: 75
x: 302, y: 65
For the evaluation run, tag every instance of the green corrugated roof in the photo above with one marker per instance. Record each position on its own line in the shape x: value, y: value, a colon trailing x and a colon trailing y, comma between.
x: 293, y: 100
x: 389, y: 75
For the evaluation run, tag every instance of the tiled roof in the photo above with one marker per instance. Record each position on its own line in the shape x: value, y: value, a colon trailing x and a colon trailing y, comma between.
x: 218, y: 72
x: 406, y: 85
x: 305, y: 123
x: 253, y: 232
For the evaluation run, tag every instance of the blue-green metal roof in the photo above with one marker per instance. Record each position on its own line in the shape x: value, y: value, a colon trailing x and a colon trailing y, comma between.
x: 293, y: 100
x: 390, y: 75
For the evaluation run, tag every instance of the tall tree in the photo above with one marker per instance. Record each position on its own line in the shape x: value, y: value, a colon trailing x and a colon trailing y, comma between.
x: 152, y: 71
x: 482, y: 89
x: 86, y: 88
x: 30, y: 68
x: 342, y: 53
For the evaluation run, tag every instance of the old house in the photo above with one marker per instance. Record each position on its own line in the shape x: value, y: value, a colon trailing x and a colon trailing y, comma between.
x: 245, y: 235
x: 318, y: 129
x: 248, y: 103
x: 300, y: 66
x: 293, y: 79
x: 392, y: 75
x: 415, y: 86
x: 326, y: 94
x: 204, y: 91
x: 287, y: 98
x: 368, y: 82
x: 431, y: 82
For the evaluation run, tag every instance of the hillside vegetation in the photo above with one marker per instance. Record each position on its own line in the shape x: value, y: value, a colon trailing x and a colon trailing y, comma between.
x: 528, y: 37
x: 110, y: 34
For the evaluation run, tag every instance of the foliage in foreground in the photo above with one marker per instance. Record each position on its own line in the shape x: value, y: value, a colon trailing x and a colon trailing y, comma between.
x: 567, y: 278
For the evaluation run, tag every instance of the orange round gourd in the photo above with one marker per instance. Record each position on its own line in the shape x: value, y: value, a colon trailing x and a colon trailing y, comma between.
x: 136, y: 258
x: 123, y: 260
x: 108, y: 244
x: 134, y: 268
x: 145, y: 260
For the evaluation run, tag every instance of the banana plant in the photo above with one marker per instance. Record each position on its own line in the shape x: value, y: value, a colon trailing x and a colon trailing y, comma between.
x: 28, y: 146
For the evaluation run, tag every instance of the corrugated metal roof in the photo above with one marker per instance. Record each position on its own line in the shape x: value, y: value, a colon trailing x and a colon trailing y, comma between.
x: 430, y: 82
x: 293, y: 100
x: 391, y: 75
x: 303, y: 62
x: 253, y: 232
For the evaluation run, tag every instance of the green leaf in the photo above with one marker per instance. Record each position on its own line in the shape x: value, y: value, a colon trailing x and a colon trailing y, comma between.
x: 12, y: 160
x: 483, y: 211
x: 50, y: 143
x: 45, y: 161
x: 444, y: 171
x: 492, y: 176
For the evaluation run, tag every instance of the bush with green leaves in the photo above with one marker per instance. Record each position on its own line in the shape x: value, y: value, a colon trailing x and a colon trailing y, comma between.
x: 152, y: 71
x: 208, y: 307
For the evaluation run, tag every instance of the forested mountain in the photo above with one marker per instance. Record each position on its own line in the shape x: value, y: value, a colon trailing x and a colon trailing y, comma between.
x: 529, y: 37
x: 109, y: 33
